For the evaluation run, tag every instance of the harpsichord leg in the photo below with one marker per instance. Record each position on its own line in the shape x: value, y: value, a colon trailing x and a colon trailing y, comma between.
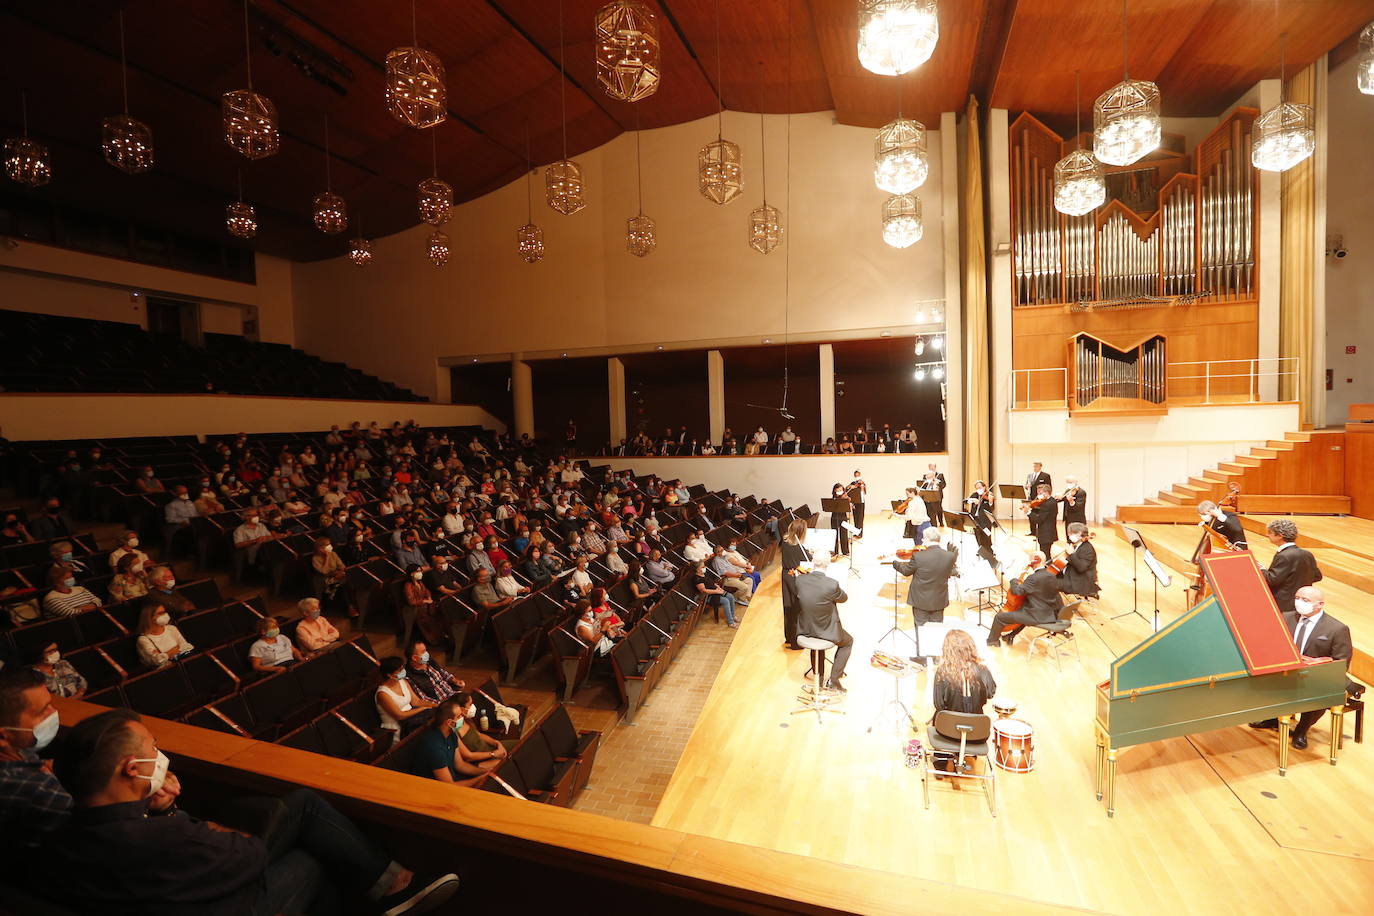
x: 1285, y: 727
x: 1337, y: 724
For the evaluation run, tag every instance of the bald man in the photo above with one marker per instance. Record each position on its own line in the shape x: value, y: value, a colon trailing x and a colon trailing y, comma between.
x: 1317, y: 635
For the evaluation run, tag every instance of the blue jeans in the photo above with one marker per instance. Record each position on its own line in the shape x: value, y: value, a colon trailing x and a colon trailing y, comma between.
x: 307, y: 839
x: 727, y: 604
x: 772, y: 526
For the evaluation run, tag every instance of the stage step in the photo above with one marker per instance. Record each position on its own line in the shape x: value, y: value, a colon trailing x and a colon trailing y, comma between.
x: 1281, y: 504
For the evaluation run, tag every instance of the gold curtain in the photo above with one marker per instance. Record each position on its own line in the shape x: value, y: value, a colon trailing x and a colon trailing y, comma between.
x: 1298, y: 214
x: 974, y: 293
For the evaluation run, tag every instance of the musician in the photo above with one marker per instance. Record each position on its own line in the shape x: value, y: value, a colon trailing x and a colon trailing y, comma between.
x: 794, y: 553
x: 1075, y: 500
x: 818, y: 616
x: 1223, y: 523
x: 917, y: 521
x: 962, y: 683
x: 1044, y: 514
x: 837, y: 520
x: 1292, y: 567
x: 935, y: 481
x: 930, y: 568
x: 1079, y: 576
x: 980, y: 505
x: 857, y: 490
x: 1034, y: 479
x: 1316, y: 635
x: 1042, y: 604
x: 1232, y: 498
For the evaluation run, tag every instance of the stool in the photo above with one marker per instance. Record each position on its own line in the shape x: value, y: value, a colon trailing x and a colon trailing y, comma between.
x: 817, y: 700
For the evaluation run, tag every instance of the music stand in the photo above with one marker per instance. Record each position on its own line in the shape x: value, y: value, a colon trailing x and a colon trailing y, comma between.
x: 1158, y: 575
x: 1014, y: 491
x: 840, y: 506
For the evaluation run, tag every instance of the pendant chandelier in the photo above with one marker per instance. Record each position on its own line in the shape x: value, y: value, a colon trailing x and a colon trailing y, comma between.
x: 415, y: 93
x: 765, y: 222
x: 563, y: 179
x: 331, y: 213
x: 1126, y: 122
x: 126, y: 141
x: 719, y: 177
x: 900, y: 161
x: 437, y: 248
x: 902, y: 225
x: 250, y: 119
x: 360, y: 249
x: 1284, y: 135
x: 627, y: 53
x: 897, y: 36
x: 1364, y: 66
x: 529, y: 238
x: 436, y: 195
x: 240, y: 218
x: 26, y: 161
x: 640, y: 237
x: 1079, y: 187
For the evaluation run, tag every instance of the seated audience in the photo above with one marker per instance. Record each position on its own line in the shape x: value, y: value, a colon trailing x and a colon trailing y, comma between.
x: 159, y: 642
x: 731, y: 576
x: 33, y: 804
x: 430, y: 681
x: 314, y: 632
x: 61, y: 679
x: 206, y: 502
x: 251, y: 535
x: 401, y: 709
x: 713, y: 594
x: 67, y: 599
x: 437, y: 754
x: 147, y: 481
x: 659, y: 570
x: 162, y: 582
x: 271, y: 651
x: 112, y: 857
x: 14, y: 532
x: 128, y: 544
x: 484, y: 592
x: 177, y: 515
x: 507, y: 586
x: 63, y: 553
x: 129, y: 581
x: 537, y: 568
x: 327, y: 570
x: 53, y: 523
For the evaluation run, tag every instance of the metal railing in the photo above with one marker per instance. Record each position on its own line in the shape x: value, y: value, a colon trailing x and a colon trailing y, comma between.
x: 1216, y: 381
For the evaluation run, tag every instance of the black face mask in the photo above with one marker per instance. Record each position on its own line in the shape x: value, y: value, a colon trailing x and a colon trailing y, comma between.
x: 53, y: 510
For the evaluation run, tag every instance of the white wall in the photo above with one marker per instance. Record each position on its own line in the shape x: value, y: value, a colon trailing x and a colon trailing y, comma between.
x: 1349, y: 213
x: 703, y: 283
x: 57, y: 281
x: 1124, y: 460
x: 89, y: 416
x: 798, y: 479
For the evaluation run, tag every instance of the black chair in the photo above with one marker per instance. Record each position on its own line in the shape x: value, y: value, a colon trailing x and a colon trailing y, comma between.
x: 1058, y: 633
x: 165, y: 693
x: 960, y: 738
x: 542, y: 774
x: 567, y: 743
x: 207, y: 629
x: 323, y: 679
x: 210, y: 677
x: 305, y: 738
x: 278, y: 703
x: 342, y: 738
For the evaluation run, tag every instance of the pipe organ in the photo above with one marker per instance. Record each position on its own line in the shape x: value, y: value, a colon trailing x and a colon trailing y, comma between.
x: 1176, y: 228
x: 1105, y: 378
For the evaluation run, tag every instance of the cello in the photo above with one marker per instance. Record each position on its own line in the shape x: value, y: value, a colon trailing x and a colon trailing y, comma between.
x: 1014, y: 601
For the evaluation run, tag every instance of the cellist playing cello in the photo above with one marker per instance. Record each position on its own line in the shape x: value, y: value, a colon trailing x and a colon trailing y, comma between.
x: 1038, y: 590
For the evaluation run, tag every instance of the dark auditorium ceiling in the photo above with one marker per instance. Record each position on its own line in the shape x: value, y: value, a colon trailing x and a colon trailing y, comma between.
x: 317, y: 57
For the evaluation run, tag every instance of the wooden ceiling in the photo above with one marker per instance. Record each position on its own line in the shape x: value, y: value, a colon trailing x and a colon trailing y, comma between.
x: 318, y: 58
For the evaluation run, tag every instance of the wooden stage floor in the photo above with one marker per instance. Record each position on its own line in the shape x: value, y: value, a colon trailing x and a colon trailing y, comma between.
x: 1203, y: 824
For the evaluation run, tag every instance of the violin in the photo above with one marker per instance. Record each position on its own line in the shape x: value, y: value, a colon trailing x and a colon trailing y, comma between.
x: 901, y: 507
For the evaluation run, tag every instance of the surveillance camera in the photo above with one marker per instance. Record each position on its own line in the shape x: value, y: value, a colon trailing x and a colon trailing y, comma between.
x: 1340, y: 252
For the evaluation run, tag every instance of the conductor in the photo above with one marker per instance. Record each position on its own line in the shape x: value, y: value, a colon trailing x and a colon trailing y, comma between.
x: 929, y: 569
x: 818, y: 615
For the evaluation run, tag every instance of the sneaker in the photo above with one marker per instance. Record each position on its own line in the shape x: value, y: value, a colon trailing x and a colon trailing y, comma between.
x: 421, y: 895
x: 833, y: 687
x: 733, y: 625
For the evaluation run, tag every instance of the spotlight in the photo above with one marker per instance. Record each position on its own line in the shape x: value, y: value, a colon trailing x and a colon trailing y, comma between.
x: 938, y: 343
x: 920, y: 375
x: 920, y: 346
x: 920, y: 316
x: 937, y: 373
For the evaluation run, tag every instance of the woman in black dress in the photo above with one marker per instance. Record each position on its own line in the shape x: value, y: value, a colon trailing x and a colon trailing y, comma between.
x: 962, y: 683
x: 794, y: 553
x: 837, y: 518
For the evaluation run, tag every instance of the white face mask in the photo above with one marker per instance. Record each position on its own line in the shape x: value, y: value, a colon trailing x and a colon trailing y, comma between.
x: 162, y: 619
x: 52, y: 658
x: 417, y: 576
x: 133, y: 542
x: 43, y: 732
x: 470, y: 711
x: 155, y: 781
x: 1304, y: 607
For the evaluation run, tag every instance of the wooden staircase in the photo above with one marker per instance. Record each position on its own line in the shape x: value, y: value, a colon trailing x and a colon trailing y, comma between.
x: 1309, y: 465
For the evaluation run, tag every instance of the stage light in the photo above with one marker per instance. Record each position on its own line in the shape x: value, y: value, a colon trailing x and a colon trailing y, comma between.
x: 920, y: 346
x: 938, y: 343
x: 937, y: 373
x: 920, y: 375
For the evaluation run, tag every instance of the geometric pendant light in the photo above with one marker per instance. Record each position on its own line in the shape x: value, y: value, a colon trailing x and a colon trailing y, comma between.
x: 719, y: 177
x: 331, y: 213
x: 897, y: 36
x: 1079, y: 186
x: 126, y: 142
x: 529, y: 238
x: 435, y: 194
x: 900, y: 162
x: 1126, y: 123
x: 26, y: 161
x: 765, y: 222
x: 1364, y: 66
x: 627, y: 51
x: 240, y: 218
x: 1285, y: 134
x: 250, y: 119
x: 415, y: 92
x: 640, y: 236
x: 563, y: 179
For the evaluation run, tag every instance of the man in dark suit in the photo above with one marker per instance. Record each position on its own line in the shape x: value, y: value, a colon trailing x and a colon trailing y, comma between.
x: 1224, y: 524
x: 1316, y: 635
x: 1034, y: 479
x: 980, y: 506
x: 934, y: 482
x: 1044, y: 520
x: 818, y: 616
x: 1042, y: 605
x: 929, y: 569
x: 1075, y: 502
x: 1292, y: 567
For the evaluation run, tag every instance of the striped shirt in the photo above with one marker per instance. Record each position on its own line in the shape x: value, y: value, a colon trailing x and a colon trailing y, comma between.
x: 56, y: 604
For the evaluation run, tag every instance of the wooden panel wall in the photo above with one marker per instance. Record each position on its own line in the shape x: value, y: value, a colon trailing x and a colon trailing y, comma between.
x: 1359, y: 463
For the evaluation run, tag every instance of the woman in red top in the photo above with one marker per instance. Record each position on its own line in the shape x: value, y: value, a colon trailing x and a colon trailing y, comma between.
x: 606, y: 617
x: 494, y: 551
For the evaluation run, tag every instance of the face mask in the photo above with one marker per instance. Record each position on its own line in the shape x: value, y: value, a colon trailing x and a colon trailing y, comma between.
x: 133, y: 542
x: 67, y: 555
x: 1302, y: 606
x: 169, y: 585
x: 343, y: 518
x: 162, y: 619
x: 417, y: 576
x: 313, y: 614
x: 400, y: 674
x: 273, y: 633
x: 43, y: 732
x: 53, y: 510
x: 328, y: 548
x: 253, y: 521
x: 159, y: 776
x: 52, y: 658
x: 183, y: 496
x: 424, y: 658
x: 470, y: 711
x: 69, y: 582
x: 147, y: 473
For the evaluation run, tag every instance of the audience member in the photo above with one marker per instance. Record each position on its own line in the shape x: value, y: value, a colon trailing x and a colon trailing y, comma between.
x: 163, y: 584
x: 61, y: 679
x: 129, y: 581
x: 159, y: 642
x: 66, y: 598
x: 314, y: 633
x: 272, y: 651
x: 437, y: 751
x: 177, y: 514
x: 33, y: 803
x: 53, y: 523
x: 251, y: 535
x: 14, y: 531
x: 429, y: 680
x: 398, y: 705
x: 128, y: 544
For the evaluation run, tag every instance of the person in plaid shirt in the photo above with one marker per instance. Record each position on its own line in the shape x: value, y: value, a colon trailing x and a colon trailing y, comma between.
x: 32, y: 802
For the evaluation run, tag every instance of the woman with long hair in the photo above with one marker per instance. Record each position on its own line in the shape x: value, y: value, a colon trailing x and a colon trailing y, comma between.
x: 962, y: 683
x: 794, y: 553
x: 837, y: 520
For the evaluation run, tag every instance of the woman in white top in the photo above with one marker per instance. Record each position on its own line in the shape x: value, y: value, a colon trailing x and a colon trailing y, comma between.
x: 398, y: 705
x: 272, y: 651
x: 158, y: 641
x: 507, y: 586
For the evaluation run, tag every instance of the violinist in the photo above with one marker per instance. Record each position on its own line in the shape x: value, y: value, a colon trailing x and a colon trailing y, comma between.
x: 914, y: 511
x: 1223, y: 523
x: 980, y: 505
x: 1034, y: 479
x: 1079, y: 575
x: 930, y: 569
x: 1075, y: 500
x: 1043, y: 513
x: 857, y: 491
x: 1038, y: 591
x: 934, y: 481
x: 837, y: 520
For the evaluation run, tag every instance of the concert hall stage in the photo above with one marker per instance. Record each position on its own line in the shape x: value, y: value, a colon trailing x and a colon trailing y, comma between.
x: 1203, y: 824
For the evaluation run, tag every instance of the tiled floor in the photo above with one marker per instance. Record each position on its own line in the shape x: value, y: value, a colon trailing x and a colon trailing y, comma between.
x: 635, y: 762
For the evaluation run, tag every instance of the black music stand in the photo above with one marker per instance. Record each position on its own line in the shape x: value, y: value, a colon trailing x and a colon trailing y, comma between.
x: 896, y: 629
x: 1013, y: 491
x: 1158, y: 575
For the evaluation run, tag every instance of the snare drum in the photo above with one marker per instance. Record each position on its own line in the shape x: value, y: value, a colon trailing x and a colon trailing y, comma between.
x: 1015, y: 745
x: 1004, y: 708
